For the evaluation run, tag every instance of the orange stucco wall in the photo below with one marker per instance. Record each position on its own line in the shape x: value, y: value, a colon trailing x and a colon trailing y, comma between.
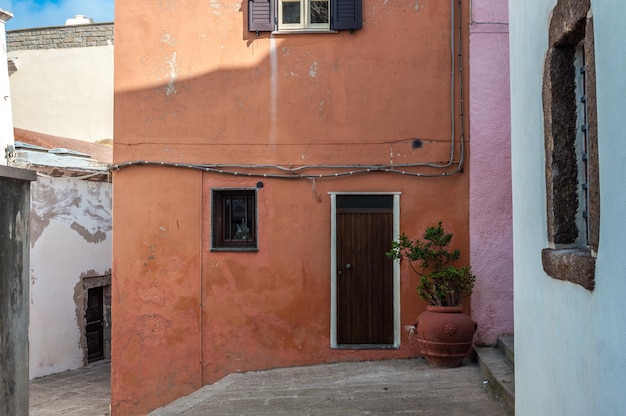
x: 193, y: 86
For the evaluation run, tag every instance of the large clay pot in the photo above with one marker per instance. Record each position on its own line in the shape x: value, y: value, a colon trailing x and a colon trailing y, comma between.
x: 445, y: 335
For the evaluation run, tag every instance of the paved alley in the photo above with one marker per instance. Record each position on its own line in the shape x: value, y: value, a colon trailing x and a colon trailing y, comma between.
x: 393, y: 387
x: 82, y: 392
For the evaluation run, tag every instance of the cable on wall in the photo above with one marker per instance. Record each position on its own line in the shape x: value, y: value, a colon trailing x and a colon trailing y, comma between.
x: 356, y: 170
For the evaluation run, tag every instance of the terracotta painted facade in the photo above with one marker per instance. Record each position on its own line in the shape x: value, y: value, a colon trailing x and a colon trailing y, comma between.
x: 297, y: 118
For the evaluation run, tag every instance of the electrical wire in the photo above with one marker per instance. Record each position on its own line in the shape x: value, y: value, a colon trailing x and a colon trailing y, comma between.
x: 91, y: 175
x: 476, y: 22
x: 356, y: 170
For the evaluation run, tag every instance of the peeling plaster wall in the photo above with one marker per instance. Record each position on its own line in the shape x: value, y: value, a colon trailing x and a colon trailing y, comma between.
x: 491, y: 229
x: 70, y: 240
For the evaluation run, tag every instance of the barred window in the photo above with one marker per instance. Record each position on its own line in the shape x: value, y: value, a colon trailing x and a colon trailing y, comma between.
x: 571, y: 145
x: 234, y: 224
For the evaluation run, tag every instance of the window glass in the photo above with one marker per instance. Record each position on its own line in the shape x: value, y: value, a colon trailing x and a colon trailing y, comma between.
x: 319, y: 11
x: 291, y: 12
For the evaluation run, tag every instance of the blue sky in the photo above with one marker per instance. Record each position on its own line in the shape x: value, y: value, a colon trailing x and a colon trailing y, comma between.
x: 40, y: 13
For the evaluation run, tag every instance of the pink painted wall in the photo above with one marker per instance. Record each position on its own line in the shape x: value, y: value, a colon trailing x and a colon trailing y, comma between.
x: 491, y: 233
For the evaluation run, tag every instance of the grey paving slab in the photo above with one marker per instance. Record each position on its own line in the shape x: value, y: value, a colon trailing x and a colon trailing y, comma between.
x: 393, y: 387
x: 387, y: 388
x: 82, y: 392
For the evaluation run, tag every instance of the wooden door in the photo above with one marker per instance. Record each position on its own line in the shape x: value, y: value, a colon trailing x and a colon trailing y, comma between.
x: 364, y: 279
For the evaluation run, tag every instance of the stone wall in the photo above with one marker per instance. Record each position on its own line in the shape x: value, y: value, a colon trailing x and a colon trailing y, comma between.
x: 75, y: 36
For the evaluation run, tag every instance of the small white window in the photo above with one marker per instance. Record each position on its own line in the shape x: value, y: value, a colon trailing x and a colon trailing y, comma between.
x: 304, y: 14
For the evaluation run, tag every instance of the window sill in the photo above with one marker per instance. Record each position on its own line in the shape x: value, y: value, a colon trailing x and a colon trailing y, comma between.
x: 217, y: 249
x: 303, y: 31
x: 575, y: 265
x: 365, y: 347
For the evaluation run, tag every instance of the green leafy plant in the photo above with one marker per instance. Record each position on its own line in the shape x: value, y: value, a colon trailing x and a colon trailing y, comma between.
x: 441, y: 283
x: 243, y: 231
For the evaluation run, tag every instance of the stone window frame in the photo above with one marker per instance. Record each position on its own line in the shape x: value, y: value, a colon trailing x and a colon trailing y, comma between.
x: 567, y: 258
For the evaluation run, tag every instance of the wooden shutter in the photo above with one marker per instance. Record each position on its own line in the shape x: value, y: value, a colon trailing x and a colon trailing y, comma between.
x: 261, y: 15
x: 347, y: 15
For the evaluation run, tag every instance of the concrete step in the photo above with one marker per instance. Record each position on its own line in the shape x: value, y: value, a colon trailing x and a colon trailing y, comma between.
x: 506, y: 344
x: 496, y: 364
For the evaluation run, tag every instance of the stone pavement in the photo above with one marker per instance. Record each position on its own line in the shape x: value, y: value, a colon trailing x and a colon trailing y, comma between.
x: 392, y: 387
x: 82, y: 392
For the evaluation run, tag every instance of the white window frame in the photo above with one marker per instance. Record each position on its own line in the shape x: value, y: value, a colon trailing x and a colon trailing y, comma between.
x: 305, y: 21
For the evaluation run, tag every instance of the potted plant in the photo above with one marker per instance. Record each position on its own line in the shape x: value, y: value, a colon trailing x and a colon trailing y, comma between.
x: 444, y: 333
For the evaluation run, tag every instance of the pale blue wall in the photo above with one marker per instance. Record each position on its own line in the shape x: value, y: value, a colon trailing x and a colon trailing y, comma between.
x: 569, y: 342
x: 609, y: 321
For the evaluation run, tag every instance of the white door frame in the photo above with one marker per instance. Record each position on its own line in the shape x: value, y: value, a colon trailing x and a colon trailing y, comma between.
x: 333, y: 272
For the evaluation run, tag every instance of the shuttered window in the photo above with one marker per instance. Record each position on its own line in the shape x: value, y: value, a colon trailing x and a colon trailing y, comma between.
x: 304, y: 15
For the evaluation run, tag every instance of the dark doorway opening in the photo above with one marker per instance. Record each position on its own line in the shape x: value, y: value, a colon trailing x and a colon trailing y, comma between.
x: 94, y: 331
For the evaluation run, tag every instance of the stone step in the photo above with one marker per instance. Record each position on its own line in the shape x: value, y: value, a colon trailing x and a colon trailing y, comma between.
x: 497, y: 366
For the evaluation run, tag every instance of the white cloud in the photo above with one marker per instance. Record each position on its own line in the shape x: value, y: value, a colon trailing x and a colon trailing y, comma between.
x: 40, y: 13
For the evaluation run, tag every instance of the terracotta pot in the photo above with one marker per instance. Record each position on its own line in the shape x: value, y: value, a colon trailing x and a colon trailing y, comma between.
x: 445, y: 335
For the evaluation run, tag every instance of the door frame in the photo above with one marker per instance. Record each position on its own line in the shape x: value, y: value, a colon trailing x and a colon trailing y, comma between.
x: 90, y: 282
x: 333, y: 273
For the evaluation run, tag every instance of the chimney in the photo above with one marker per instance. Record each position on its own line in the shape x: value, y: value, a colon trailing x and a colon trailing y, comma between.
x: 79, y: 19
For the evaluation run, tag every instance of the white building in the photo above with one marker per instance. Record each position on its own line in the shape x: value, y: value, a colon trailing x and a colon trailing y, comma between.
x: 570, y: 321
x: 6, y: 117
x: 61, y: 79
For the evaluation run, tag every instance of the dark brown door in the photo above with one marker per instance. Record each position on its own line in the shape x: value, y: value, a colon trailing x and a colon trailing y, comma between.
x: 94, y: 330
x: 364, y: 273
